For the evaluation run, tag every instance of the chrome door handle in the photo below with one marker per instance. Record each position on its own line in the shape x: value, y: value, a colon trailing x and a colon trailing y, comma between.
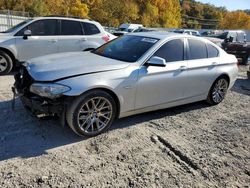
x: 83, y: 39
x: 214, y: 63
x: 182, y: 68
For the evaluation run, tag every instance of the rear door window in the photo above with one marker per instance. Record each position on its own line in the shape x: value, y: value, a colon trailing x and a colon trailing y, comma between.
x: 69, y: 27
x: 90, y: 29
x: 212, y: 51
x: 172, y: 51
x: 197, y: 49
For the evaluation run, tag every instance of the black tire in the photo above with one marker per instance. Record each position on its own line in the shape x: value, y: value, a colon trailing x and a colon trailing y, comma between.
x: 248, y: 74
x: 211, y: 95
x: 245, y: 60
x: 7, y: 63
x: 73, y: 111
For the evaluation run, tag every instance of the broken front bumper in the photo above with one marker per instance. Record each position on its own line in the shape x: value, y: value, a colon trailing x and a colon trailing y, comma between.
x: 39, y: 105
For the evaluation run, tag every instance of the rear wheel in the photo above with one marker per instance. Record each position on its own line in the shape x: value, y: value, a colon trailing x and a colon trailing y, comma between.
x: 245, y: 60
x: 6, y: 63
x: 248, y: 74
x: 218, y: 91
x: 91, y: 113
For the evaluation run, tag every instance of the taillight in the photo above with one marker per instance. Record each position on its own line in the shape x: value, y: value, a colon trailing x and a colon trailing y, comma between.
x: 105, y: 38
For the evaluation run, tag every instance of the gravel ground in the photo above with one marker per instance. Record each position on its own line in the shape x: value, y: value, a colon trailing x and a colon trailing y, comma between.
x: 193, y: 145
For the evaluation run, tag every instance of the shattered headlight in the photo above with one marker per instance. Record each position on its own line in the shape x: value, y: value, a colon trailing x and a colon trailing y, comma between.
x: 49, y: 90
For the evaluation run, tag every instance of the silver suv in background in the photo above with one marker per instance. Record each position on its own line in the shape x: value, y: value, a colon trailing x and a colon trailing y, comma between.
x: 48, y: 35
x: 188, y: 32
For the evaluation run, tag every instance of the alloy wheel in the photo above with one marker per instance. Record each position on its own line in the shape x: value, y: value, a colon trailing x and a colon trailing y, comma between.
x: 94, y: 115
x: 3, y: 64
x: 219, y: 90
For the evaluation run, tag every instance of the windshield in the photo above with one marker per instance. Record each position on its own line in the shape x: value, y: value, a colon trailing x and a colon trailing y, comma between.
x: 221, y: 36
x: 122, y: 29
x: 127, y: 48
x: 125, y: 29
x: 16, y: 26
x: 178, y: 31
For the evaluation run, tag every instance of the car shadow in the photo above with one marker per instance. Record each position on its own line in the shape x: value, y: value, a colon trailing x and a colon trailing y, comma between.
x: 242, y: 86
x: 22, y: 135
x: 25, y: 136
x: 158, y: 114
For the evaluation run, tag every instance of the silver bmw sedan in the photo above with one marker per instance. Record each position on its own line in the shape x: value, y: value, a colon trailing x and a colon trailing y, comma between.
x: 132, y: 74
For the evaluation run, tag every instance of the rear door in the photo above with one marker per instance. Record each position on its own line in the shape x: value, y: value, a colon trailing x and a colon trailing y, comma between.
x: 94, y: 36
x: 71, y: 36
x: 203, y: 59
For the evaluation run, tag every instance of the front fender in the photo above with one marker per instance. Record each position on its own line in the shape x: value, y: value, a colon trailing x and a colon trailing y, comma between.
x: 121, y: 82
x: 9, y: 45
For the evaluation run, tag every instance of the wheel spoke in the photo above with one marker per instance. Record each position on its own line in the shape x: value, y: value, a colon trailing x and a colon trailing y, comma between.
x: 106, y: 113
x: 104, y: 116
x: 102, y: 123
x: 2, y: 68
x: 102, y: 105
x: 82, y: 124
x: 92, y: 126
x: 3, y: 61
x: 82, y: 117
x: 97, y: 123
x: 104, y: 108
x: 93, y: 104
x: 88, y: 126
x: 99, y: 100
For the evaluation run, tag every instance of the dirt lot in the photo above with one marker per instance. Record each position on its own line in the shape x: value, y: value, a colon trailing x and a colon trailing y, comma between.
x: 189, y: 146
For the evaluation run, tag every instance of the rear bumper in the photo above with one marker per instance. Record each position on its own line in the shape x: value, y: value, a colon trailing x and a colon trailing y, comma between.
x: 238, y: 53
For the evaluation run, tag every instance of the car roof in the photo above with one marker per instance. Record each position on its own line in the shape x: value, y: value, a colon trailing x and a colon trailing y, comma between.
x: 65, y: 18
x: 162, y: 35
x: 158, y: 34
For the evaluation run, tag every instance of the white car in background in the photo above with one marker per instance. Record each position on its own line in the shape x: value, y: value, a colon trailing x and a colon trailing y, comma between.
x: 48, y: 35
x: 127, y: 28
x: 188, y: 32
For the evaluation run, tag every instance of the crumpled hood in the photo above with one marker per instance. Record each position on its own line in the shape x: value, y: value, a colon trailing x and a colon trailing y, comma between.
x: 62, y: 65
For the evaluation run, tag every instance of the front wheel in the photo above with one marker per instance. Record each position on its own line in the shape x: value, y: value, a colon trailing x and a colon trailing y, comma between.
x: 91, y: 113
x: 6, y: 63
x: 218, y: 91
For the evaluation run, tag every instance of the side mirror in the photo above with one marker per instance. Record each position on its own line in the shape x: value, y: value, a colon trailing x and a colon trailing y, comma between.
x: 26, y: 34
x: 231, y: 39
x: 156, y: 61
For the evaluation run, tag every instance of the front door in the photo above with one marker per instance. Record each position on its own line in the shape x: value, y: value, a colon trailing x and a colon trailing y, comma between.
x: 43, y: 40
x: 160, y: 85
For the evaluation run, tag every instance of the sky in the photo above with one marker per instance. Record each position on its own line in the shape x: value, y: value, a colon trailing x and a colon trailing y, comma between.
x: 229, y: 4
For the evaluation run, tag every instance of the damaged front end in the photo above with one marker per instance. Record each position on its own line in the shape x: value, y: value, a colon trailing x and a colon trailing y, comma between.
x: 35, y: 102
